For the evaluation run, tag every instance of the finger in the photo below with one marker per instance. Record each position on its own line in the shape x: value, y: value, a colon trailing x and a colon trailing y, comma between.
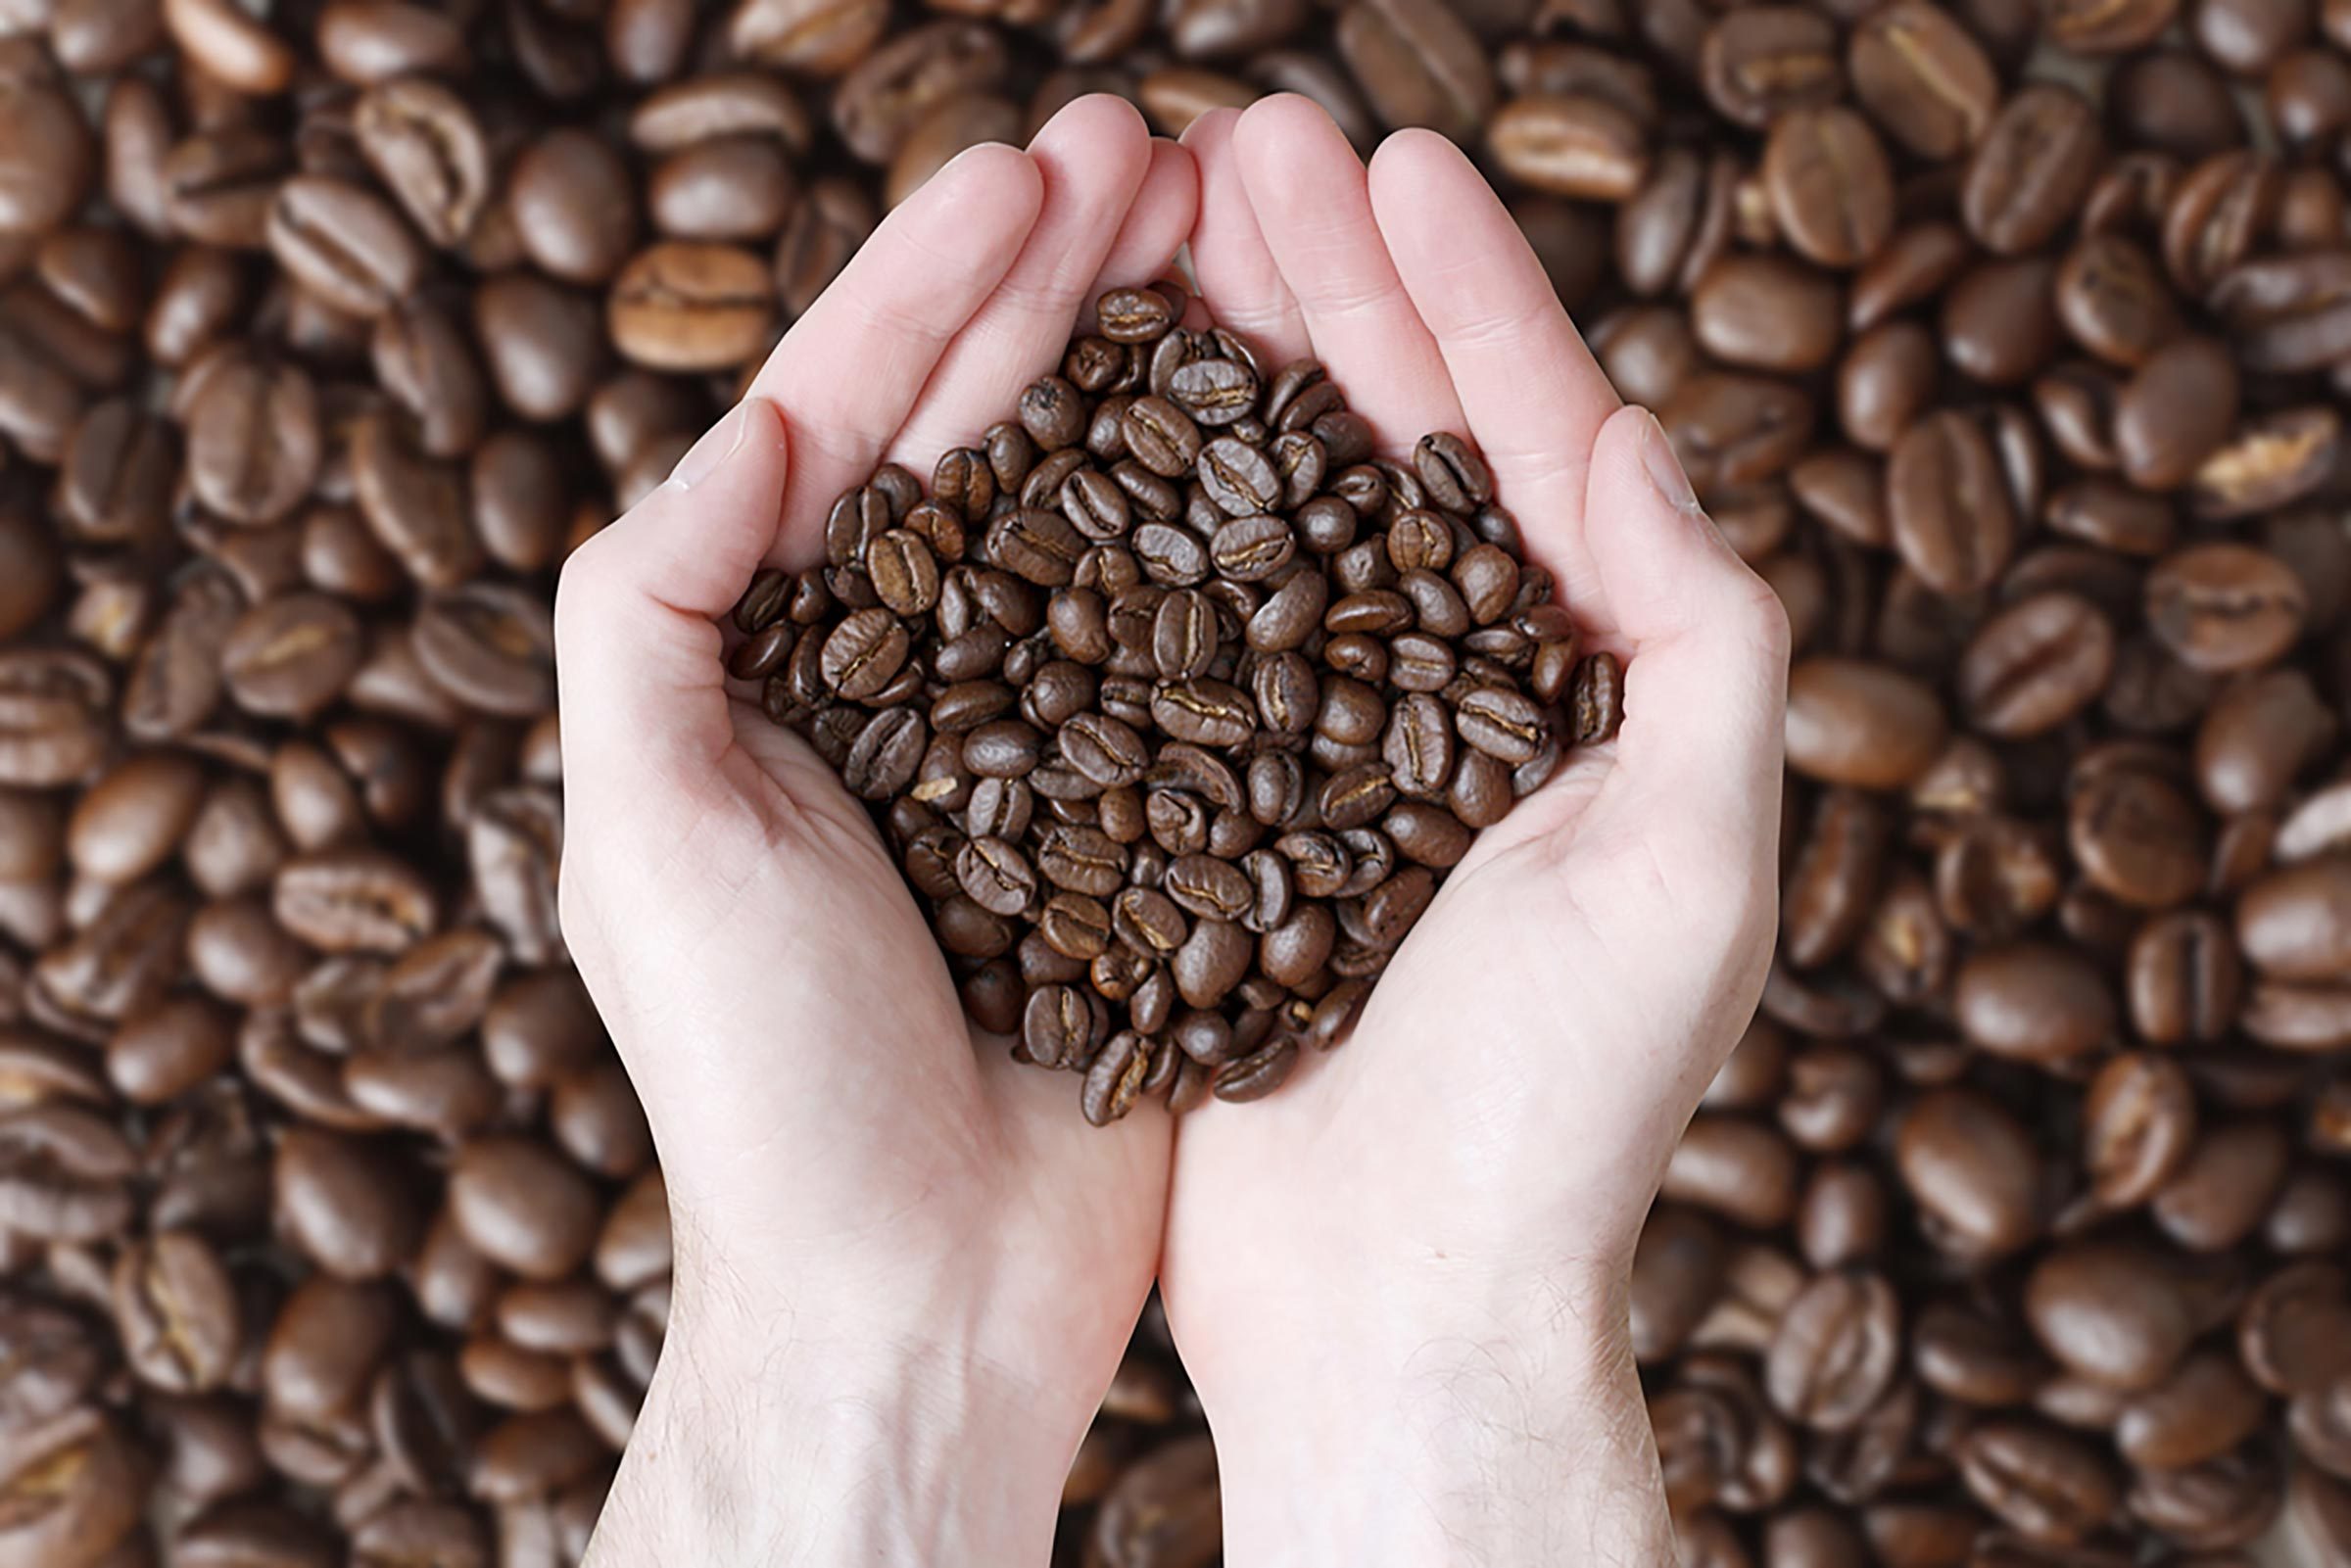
x: 1157, y: 224
x: 1229, y: 257
x: 847, y: 373
x: 1309, y: 192
x: 1532, y: 392
x: 1093, y: 155
x: 1706, y: 643
x: 637, y: 650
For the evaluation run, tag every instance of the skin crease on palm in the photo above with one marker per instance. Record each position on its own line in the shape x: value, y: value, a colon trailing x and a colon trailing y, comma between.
x: 906, y: 1266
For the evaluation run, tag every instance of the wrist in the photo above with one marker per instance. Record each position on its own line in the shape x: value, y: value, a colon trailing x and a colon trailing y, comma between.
x: 1465, y: 1417
x: 766, y: 1429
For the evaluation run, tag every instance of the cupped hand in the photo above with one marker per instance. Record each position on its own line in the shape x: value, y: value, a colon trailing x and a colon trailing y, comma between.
x: 1399, y: 1280
x: 904, y: 1264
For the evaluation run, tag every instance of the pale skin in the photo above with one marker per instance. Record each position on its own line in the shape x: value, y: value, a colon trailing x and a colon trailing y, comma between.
x: 905, y: 1266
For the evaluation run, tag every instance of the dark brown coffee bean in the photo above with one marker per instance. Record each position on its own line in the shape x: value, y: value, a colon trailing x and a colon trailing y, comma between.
x: 2139, y: 1120
x: 177, y: 1313
x: 1829, y: 184
x: 1766, y: 313
x: 1968, y: 1164
x: 865, y: 653
x: 1730, y: 429
x: 1861, y: 725
x: 686, y: 304
x: 1502, y: 723
x: 1419, y: 64
x: 354, y: 901
x: 2220, y: 1192
x: 2295, y: 924
x: 2137, y: 838
x: 344, y: 244
x: 1038, y: 546
x: 1257, y: 1075
x: 2110, y: 1313
x: 2174, y: 413
x: 413, y: 504
x: 1770, y: 60
x: 1214, y: 392
x: 996, y: 876
x: 1835, y: 1352
x: 2115, y: 301
x: 2030, y: 170
x: 2048, y: 1487
x: 2038, y: 1003
x: 1952, y: 519
x: 1062, y: 1025
x: 2224, y: 607
x: 1250, y: 549
x: 1924, y: 77
x: 1579, y: 146
x: 427, y: 148
x: 491, y: 648
x: 1115, y: 1079
x: 253, y: 442
x: 1207, y: 713
x: 2036, y: 665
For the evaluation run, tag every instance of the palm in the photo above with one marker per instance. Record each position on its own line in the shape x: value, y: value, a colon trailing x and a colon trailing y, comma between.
x: 1507, y: 1078
x: 921, y: 1124
x: 784, y: 1011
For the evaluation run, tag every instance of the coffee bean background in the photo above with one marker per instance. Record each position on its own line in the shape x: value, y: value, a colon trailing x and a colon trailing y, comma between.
x: 2008, y: 339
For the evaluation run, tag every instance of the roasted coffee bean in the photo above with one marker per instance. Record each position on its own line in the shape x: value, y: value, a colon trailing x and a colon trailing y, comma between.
x: 2034, y: 165
x: 2038, y: 1003
x: 426, y: 146
x: 1835, y: 1351
x: 1257, y: 1075
x: 685, y: 306
x: 1829, y: 184
x: 344, y: 244
x: 1113, y: 1080
x: 2110, y: 1313
x: 2137, y: 838
x: 1861, y: 725
x: 1923, y: 77
x: 1952, y: 518
x: 1578, y: 146
x: 2223, y: 607
x: 2036, y: 665
x: 2048, y: 1487
x: 1968, y: 1164
x: 1419, y: 64
x: 2176, y: 413
x: 177, y: 1313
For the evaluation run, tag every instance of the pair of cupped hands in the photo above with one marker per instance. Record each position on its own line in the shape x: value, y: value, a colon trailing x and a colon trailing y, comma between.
x: 907, y: 1267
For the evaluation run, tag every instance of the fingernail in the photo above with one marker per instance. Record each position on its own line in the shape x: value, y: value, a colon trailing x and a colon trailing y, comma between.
x: 703, y: 458
x: 1665, y: 468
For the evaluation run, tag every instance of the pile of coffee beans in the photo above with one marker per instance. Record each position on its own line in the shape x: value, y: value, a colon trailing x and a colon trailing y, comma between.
x: 2007, y: 338
x: 1176, y: 699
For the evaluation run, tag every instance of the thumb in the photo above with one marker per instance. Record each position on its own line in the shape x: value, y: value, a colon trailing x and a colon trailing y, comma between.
x: 638, y: 650
x: 1706, y: 648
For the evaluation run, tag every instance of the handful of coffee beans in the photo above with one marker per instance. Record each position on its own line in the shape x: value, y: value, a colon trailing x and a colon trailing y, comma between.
x: 1176, y: 700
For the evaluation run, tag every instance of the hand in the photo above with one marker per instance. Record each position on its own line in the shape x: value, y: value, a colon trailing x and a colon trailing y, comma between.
x: 905, y: 1267
x: 1399, y: 1282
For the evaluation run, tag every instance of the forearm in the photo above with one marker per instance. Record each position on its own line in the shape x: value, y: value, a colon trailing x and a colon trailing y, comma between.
x: 1504, y: 1437
x: 819, y: 1452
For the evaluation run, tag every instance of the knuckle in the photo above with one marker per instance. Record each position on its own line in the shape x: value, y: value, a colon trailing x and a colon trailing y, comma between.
x: 584, y: 584
x: 1772, y: 632
x: 1751, y: 610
